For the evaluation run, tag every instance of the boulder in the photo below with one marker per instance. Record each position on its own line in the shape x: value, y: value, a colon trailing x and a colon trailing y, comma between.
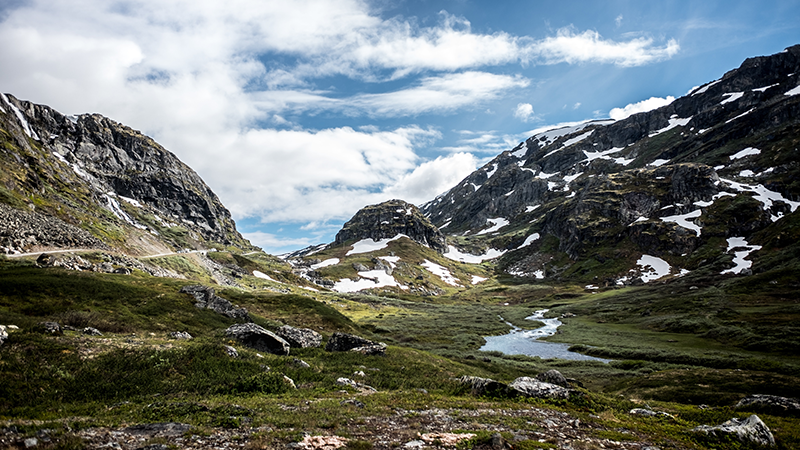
x: 180, y: 335
x: 529, y: 387
x: 343, y: 342
x: 258, y: 338
x: 206, y: 298
x: 51, y: 327
x: 553, y: 377
x: 230, y: 351
x: 769, y: 403
x: 3, y: 334
x: 300, y: 337
x: 483, y: 386
x: 750, y: 430
x: 91, y: 331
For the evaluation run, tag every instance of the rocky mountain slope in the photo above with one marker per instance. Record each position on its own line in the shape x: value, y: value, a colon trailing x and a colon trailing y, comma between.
x: 111, y: 181
x: 711, y: 174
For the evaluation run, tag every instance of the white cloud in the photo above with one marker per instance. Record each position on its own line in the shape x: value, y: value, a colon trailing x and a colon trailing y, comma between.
x: 572, y: 47
x: 271, y: 241
x: 434, y: 177
x: 524, y: 111
x: 618, y: 20
x: 642, y: 106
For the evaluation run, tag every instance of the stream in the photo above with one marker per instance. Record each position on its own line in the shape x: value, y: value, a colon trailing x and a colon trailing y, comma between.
x: 525, y: 342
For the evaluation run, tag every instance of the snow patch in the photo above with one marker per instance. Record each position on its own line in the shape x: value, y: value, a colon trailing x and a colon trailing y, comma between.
x: 656, y: 268
x: 369, y: 245
x: 531, y: 208
x: 674, y: 121
x: 456, y: 255
x: 370, y: 279
x: 683, y: 220
x: 529, y: 240
x: 705, y: 88
x: 732, y: 97
x: 658, y: 162
x: 762, y: 89
x: 795, y: 91
x: 491, y: 171
x: 441, y: 272
x: 25, y: 125
x: 763, y: 195
x: 263, y: 276
x: 740, y: 115
x: 326, y: 263
x: 496, y: 225
x: 476, y: 279
x: 739, y: 257
x: 746, y: 152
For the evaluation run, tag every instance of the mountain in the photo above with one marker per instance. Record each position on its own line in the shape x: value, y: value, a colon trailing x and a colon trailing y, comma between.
x: 706, y: 185
x: 101, y: 184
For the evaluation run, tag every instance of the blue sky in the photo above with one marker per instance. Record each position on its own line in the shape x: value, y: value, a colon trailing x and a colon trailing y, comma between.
x: 297, y: 114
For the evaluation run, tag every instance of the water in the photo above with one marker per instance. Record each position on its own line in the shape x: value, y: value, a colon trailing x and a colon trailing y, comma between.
x: 525, y: 342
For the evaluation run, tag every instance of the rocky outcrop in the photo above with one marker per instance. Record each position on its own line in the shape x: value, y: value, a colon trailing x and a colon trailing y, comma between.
x: 89, y: 168
x: 750, y: 430
x: 343, y: 342
x: 483, y: 386
x: 532, y: 388
x: 206, y: 298
x: 553, y: 377
x: 22, y: 231
x: 258, y: 338
x: 771, y: 403
x: 389, y: 219
x: 300, y: 337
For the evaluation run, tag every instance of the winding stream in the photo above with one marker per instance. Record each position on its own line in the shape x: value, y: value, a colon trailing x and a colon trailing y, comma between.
x: 525, y: 342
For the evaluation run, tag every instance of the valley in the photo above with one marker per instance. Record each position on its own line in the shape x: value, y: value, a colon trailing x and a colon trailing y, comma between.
x: 666, y: 245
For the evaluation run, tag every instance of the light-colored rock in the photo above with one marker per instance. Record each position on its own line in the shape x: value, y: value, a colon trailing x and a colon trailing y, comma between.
x: 775, y: 402
x: 529, y: 387
x: 752, y: 429
x: 300, y: 337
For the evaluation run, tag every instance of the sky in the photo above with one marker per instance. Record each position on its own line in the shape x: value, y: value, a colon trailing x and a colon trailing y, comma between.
x: 299, y: 113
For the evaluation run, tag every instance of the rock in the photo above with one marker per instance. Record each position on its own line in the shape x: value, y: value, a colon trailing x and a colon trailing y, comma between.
x: 180, y: 335
x: 206, y: 298
x: 3, y: 334
x: 649, y: 413
x: 91, y: 331
x: 290, y: 382
x: 31, y: 442
x: 553, y: 377
x: 342, y: 381
x: 388, y: 220
x: 750, y: 430
x: 231, y: 351
x: 159, y: 429
x: 258, y: 338
x: 529, y: 387
x: 769, y: 403
x: 44, y: 260
x: 342, y: 342
x: 353, y: 402
x: 122, y: 271
x: 51, y: 327
x: 360, y: 267
x: 301, y: 363
x: 300, y: 337
x: 483, y: 386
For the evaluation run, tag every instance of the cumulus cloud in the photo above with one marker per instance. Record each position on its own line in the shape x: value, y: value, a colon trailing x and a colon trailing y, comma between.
x: 572, y: 47
x: 638, y: 107
x: 524, y: 111
x: 205, y: 78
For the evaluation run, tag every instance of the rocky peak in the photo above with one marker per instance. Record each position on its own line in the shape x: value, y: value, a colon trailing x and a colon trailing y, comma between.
x: 387, y: 220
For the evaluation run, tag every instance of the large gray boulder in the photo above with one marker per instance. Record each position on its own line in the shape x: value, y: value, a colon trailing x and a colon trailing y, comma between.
x: 769, y: 402
x: 300, y: 337
x: 529, y: 387
x: 750, y: 430
x: 258, y: 338
x: 553, y: 377
x: 483, y: 386
x: 206, y: 298
x: 343, y: 342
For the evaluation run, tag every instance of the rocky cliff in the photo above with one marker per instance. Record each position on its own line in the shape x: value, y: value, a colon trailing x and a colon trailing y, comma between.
x: 720, y: 163
x: 388, y: 219
x: 110, y: 180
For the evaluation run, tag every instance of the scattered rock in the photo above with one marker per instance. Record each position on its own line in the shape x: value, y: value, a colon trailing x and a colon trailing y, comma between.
x: 751, y: 429
x: 353, y: 384
x: 646, y: 412
x: 91, y: 331
x: 342, y: 342
x: 769, y: 402
x: 51, y: 327
x: 301, y: 363
x: 258, y: 338
x: 353, y: 402
x: 483, y: 386
x: 446, y: 439
x: 180, y: 335
x: 160, y: 429
x: 322, y: 442
x: 206, y: 298
x: 290, y: 382
x: 3, y: 334
x: 529, y: 387
x: 300, y: 337
x: 231, y: 351
x: 553, y: 377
